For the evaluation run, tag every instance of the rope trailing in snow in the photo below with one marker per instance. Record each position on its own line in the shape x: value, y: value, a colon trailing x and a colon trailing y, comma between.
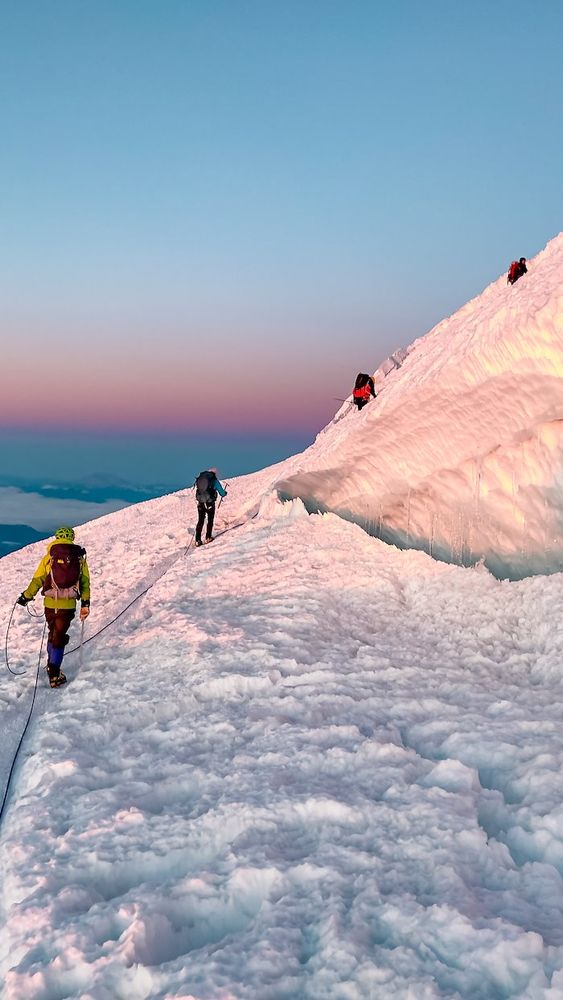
x: 184, y: 552
x: 79, y: 647
x: 28, y: 720
x: 121, y: 613
x: 83, y: 642
x: 19, y: 673
x: 16, y: 673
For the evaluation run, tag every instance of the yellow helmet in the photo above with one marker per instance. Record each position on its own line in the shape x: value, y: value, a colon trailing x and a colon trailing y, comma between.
x: 65, y: 534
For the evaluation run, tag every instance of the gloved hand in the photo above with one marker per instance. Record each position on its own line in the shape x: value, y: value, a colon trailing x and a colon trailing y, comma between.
x: 84, y: 612
x: 23, y: 600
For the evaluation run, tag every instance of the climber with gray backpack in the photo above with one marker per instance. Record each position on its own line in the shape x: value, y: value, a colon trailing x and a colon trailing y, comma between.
x: 207, y: 486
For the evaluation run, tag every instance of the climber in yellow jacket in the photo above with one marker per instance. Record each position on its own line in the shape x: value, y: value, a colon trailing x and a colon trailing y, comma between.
x: 63, y: 578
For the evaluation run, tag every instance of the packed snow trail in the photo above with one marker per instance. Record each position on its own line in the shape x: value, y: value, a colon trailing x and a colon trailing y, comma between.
x: 311, y: 766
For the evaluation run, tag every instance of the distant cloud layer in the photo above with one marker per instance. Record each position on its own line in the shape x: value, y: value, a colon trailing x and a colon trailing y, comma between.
x: 41, y: 513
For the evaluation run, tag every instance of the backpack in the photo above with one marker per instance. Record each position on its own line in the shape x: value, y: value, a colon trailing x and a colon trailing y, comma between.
x: 362, y: 388
x: 204, y: 491
x: 514, y: 271
x: 63, y: 579
x: 361, y: 380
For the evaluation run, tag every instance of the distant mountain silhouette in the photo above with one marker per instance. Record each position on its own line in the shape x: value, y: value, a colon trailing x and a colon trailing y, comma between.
x: 15, y: 536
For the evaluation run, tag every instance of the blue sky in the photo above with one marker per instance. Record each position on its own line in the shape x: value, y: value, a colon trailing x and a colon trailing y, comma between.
x: 251, y: 201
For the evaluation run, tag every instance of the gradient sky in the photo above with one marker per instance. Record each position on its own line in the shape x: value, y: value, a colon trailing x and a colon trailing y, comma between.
x: 215, y: 212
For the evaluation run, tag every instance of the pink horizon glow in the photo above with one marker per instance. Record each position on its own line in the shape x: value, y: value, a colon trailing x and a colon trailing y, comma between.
x: 132, y: 397
x: 198, y: 409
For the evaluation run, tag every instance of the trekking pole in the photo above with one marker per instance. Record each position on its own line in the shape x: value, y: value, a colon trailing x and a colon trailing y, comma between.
x: 227, y: 522
x: 221, y: 498
x: 80, y: 660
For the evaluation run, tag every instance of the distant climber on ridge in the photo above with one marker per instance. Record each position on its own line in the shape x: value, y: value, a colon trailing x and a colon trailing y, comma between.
x: 63, y: 578
x: 516, y: 270
x: 364, y: 389
x: 207, y: 486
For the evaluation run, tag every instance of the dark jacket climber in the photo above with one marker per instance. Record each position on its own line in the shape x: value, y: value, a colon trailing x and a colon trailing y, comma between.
x: 516, y: 270
x: 364, y: 389
x: 63, y: 578
x: 207, y: 486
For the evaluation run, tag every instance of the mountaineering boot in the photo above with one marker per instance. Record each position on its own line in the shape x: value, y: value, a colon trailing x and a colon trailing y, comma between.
x: 198, y: 541
x: 56, y: 676
x: 57, y: 682
x: 210, y: 539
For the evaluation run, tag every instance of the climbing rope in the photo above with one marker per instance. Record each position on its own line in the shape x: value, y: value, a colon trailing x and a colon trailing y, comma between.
x: 82, y: 643
x: 15, y: 673
x: 32, y: 613
x: 142, y: 593
x: 28, y: 720
x: 19, y: 673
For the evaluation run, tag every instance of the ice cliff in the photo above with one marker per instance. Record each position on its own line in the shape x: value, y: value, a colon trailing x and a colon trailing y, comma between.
x: 461, y: 454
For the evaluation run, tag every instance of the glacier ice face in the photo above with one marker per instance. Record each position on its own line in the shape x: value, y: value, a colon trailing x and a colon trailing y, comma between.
x: 461, y: 454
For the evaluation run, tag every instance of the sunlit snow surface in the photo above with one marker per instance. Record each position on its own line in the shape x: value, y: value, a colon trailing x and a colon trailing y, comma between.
x: 306, y: 764
x: 461, y: 454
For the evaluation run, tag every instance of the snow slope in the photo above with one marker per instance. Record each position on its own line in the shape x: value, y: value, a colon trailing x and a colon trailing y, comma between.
x: 462, y: 453
x: 306, y: 763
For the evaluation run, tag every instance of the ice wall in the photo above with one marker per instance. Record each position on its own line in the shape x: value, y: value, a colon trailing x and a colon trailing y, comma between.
x: 461, y: 454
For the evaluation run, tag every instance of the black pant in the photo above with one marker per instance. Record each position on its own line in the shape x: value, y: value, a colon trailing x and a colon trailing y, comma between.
x: 202, y: 510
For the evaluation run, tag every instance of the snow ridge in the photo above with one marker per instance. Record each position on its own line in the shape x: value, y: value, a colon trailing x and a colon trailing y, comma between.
x: 461, y: 455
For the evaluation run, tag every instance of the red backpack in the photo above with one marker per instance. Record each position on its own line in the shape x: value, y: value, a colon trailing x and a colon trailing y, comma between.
x: 362, y: 388
x: 63, y: 579
x: 514, y: 271
x: 362, y: 393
